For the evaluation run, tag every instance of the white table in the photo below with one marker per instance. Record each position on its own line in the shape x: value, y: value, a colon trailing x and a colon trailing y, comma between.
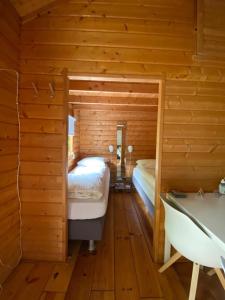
x: 207, y: 209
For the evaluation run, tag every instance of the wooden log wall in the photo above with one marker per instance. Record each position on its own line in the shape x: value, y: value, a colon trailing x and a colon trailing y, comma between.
x: 211, y: 24
x: 142, y: 38
x: 9, y: 142
x: 194, y: 135
x: 42, y: 172
x: 104, y: 104
x: 98, y: 130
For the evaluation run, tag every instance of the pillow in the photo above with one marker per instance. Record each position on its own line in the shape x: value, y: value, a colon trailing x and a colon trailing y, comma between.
x: 146, y: 163
x: 92, y: 161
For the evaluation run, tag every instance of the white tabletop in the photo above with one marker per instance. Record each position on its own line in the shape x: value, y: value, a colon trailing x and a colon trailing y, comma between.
x: 207, y: 209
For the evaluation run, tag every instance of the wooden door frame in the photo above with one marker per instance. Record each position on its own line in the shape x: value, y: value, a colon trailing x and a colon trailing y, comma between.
x: 65, y: 162
x: 158, y: 233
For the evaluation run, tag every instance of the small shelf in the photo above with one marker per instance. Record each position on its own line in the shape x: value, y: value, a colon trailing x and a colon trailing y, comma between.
x: 123, y: 184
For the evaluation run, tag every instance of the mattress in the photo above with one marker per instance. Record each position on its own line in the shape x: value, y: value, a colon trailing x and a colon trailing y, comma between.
x: 80, y: 209
x: 86, y: 182
x: 146, y: 180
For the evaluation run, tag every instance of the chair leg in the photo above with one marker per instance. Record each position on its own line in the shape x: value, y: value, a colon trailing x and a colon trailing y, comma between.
x: 194, y: 281
x: 167, y: 249
x: 171, y: 261
x: 220, y: 276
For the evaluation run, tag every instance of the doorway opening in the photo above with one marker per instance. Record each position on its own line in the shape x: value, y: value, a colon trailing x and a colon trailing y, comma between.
x: 120, y: 119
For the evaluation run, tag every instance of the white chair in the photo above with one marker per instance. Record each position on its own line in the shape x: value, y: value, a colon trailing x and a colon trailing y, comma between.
x: 223, y: 263
x: 191, y: 241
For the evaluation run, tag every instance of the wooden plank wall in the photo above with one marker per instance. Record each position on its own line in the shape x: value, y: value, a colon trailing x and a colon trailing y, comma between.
x: 104, y: 104
x: 43, y: 143
x: 211, y: 24
x: 9, y: 36
x: 194, y: 135
x: 9, y: 143
x: 98, y: 131
x: 142, y: 38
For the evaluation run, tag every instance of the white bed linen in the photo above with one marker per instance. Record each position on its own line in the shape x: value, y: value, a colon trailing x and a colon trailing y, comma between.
x: 146, y: 179
x: 80, y: 209
x: 148, y: 174
x: 86, y: 182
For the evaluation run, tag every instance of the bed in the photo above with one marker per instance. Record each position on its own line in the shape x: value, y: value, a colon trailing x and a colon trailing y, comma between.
x: 86, y: 205
x: 144, y: 181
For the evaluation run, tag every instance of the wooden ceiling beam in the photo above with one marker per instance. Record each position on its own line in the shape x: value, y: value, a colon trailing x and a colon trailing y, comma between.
x: 97, y: 85
x: 113, y: 100
x: 126, y: 108
x: 111, y: 78
x: 114, y: 104
x: 112, y: 94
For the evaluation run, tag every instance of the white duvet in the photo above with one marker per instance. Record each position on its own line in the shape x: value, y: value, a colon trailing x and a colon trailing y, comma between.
x: 86, y: 182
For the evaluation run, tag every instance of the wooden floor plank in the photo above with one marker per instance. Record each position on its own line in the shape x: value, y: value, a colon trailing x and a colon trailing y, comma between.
x: 60, y: 278
x: 146, y: 275
x: 35, y: 282
x: 169, y: 288
x: 125, y: 281
x: 125, y: 276
x: 120, y: 223
x: 104, y: 263
x: 13, y: 284
x: 127, y: 203
x: 136, y: 276
x: 132, y: 219
x: 209, y: 287
x: 52, y: 296
x: 145, y: 225
x: 102, y: 295
x: 62, y: 272
x: 171, y: 285
x: 147, y: 280
x: 81, y: 280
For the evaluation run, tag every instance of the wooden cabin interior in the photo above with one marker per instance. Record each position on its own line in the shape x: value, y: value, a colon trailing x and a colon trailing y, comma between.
x: 112, y: 149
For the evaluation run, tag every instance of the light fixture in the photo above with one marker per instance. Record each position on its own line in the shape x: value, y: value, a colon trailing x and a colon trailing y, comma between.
x: 111, y: 148
x: 130, y: 148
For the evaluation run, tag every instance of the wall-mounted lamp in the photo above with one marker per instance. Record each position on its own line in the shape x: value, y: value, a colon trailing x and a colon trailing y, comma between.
x: 111, y: 148
x: 130, y: 148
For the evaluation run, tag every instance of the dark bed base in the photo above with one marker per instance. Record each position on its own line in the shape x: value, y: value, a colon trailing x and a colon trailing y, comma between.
x: 88, y: 229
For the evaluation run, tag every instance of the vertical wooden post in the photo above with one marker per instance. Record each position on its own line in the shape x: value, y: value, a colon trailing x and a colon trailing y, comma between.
x: 65, y: 161
x: 158, y: 238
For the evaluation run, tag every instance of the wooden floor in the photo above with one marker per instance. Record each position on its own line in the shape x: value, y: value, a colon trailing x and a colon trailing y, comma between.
x: 120, y: 269
x: 40, y: 280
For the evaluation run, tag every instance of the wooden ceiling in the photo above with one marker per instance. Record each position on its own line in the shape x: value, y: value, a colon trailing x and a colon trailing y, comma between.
x: 114, y: 95
x: 30, y: 7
